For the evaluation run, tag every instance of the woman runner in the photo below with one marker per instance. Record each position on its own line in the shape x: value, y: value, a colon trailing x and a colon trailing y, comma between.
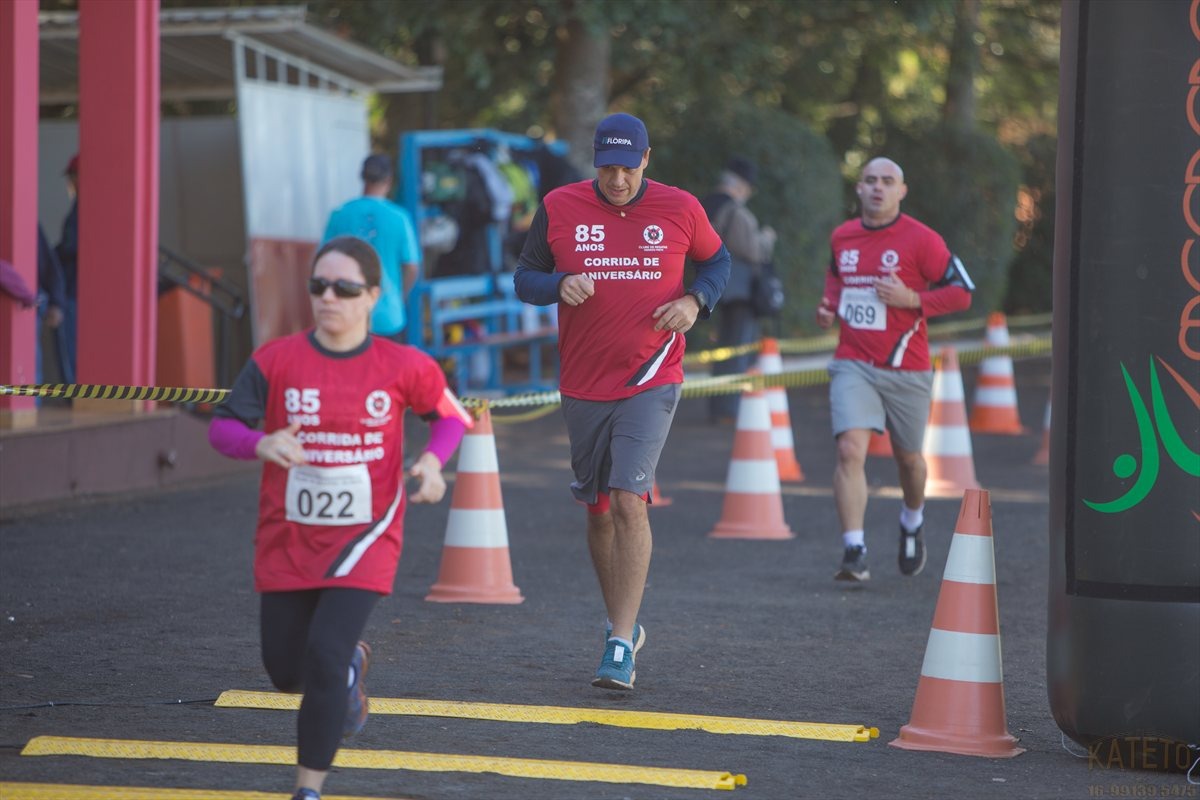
x: 332, y: 496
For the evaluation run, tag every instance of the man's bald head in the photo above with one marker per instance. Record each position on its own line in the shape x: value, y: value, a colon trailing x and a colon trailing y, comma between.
x: 884, y: 165
x: 880, y: 190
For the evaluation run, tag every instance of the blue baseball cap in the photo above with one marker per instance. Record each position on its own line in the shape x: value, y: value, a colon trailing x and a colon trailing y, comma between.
x: 621, y: 139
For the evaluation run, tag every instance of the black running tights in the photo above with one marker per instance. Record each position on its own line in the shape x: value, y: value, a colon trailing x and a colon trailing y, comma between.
x: 308, y: 639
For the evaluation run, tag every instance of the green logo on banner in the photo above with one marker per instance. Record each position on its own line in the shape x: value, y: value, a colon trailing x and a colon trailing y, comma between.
x: 1125, y: 465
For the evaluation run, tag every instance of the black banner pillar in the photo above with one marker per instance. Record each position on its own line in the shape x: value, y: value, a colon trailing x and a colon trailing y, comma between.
x: 1123, y: 644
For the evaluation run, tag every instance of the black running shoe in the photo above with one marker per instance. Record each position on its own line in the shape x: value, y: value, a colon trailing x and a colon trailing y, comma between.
x: 912, y: 551
x: 854, y: 565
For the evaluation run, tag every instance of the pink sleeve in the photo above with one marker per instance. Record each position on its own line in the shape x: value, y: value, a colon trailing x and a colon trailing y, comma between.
x: 444, y: 436
x: 12, y: 283
x: 233, y: 438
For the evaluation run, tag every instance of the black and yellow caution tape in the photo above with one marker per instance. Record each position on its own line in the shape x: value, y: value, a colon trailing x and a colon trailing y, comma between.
x: 1030, y: 348
x: 386, y: 759
x: 720, y: 354
x: 535, y: 404
x: 563, y: 715
x: 69, y: 791
x: 103, y: 391
x: 817, y: 344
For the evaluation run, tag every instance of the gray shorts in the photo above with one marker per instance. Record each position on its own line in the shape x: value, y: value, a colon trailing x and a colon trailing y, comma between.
x: 865, y: 396
x: 615, y: 444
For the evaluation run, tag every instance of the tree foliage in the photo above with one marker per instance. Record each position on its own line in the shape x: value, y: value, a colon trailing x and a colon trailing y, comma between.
x: 864, y: 74
x: 967, y: 192
x: 798, y: 192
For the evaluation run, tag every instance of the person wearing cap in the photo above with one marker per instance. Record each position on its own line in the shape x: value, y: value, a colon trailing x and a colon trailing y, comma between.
x: 888, y: 275
x: 611, y: 253
x: 67, y: 251
x: 389, y: 229
x: 750, y: 246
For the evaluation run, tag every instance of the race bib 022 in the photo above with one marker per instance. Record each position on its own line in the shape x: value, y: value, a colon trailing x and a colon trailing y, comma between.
x: 329, y: 495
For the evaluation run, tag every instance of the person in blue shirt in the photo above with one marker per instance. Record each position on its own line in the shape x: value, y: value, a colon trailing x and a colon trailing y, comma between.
x: 389, y: 229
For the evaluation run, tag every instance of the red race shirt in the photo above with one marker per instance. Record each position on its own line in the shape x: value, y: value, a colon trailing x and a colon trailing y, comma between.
x: 635, y: 254
x: 870, y: 331
x: 337, y: 521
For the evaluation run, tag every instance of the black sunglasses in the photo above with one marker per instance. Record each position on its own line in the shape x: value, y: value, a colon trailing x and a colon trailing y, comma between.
x: 341, y: 288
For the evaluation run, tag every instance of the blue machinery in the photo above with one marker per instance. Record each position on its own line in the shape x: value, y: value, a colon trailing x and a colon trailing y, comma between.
x: 500, y: 321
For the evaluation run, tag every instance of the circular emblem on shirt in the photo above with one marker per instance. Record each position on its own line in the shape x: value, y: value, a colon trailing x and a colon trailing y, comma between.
x: 653, y: 234
x: 890, y: 259
x: 379, y: 403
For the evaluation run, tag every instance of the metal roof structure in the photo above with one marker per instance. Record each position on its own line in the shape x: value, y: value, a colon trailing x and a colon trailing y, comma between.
x: 202, y: 50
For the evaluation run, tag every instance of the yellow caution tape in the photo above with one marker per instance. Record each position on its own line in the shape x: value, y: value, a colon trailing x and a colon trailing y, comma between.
x: 543, y: 403
x: 1026, y: 349
x: 386, y: 759
x: 559, y: 715
x: 98, y: 391
x: 817, y: 344
x: 66, y: 791
x: 720, y: 354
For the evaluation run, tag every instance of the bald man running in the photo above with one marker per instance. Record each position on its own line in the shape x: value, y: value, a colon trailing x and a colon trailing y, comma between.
x: 889, y: 273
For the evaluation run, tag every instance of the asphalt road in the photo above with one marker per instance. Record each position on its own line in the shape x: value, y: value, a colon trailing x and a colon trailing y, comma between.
x: 115, y: 609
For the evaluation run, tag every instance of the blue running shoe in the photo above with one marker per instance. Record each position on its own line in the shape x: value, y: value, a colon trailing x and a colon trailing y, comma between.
x: 616, y: 668
x: 306, y: 794
x: 359, y: 704
x: 639, y: 636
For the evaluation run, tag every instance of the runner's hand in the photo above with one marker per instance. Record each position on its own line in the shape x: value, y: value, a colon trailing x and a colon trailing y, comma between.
x: 893, y: 292
x: 677, y: 315
x: 825, y: 314
x: 282, y: 448
x: 428, y: 470
x: 574, y: 289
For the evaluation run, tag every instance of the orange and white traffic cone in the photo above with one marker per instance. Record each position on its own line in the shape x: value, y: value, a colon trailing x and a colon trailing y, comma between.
x: 656, y: 497
x: 959, y: 706
x: 1042, y: 456
x: 753, y: 504
x: 947, y: 445
x: 995, y: 409
x: 475, y: 561
x: 771, y: 363
x: 880, y: 445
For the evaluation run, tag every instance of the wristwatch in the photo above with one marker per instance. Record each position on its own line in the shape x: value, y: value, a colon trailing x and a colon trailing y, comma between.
x: 700, y: 298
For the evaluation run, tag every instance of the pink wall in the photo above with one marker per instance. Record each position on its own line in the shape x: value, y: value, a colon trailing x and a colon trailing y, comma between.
x: 18, y: 189
x: 118, y: 195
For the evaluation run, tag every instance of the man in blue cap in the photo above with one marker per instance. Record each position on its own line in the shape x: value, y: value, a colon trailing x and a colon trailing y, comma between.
x: 611, y: 252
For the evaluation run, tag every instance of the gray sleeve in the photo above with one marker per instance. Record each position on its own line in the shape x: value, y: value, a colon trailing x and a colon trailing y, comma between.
x: 744, y: 239
x: 247, y: 400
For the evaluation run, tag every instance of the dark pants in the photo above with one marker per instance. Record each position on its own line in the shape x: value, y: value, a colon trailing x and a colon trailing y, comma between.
x: 736, y: 325
x: 308, y: 640
x: 67, y: 336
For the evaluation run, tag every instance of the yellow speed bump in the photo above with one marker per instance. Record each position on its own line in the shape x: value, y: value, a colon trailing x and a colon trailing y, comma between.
x: 558, y: 715
x: 385, y: 759
x: 66, y: 791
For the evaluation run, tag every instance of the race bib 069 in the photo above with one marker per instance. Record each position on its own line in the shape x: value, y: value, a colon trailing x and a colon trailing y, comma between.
x: 862, y: 309
x: 329, y: 495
